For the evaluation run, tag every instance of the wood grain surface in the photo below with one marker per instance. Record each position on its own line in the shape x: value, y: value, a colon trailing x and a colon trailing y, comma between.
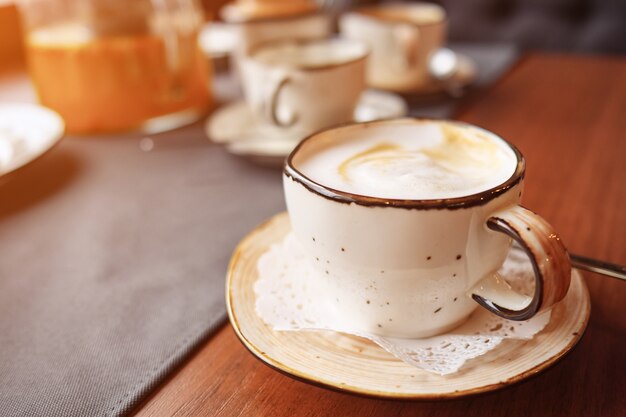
x: 567, y: 114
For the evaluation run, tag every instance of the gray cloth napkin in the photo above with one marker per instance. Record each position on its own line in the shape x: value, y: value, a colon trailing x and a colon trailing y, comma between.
x: 113, y: 253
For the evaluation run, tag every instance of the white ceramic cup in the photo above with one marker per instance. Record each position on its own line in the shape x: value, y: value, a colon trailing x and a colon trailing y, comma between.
x: 297, y: 87
x: 403, y: 37
x: 416, y: 268
x: 250, y: 33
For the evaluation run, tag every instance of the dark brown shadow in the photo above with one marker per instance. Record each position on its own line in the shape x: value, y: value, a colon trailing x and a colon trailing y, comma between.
x: 37, y: 181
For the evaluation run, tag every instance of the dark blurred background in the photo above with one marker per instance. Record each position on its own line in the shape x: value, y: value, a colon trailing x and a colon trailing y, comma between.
x: 555, y: 25
x: 587, y: 26
x: 583, y: 26
x: 580, y: 26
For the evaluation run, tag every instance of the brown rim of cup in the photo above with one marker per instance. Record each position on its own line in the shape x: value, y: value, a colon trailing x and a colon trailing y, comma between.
x: 472, y: 200
x: 302, y: 41
x: 363, y: 12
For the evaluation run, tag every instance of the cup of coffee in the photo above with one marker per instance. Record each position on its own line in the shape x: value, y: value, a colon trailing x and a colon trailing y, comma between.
x: 407, y: 222
x: 297, y: 87
x: 256, y: 22
x: 403, y: 37
x: 251, y: 33
x: 246, y: 10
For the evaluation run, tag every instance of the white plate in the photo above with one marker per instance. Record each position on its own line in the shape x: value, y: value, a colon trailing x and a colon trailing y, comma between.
x: 27, y: 131
x: 234, y: 125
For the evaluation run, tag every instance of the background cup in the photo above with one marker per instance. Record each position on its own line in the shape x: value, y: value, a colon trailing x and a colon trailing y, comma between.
x: 251, y: 33
x: 416, y: 268
x: 246, y: 10
x: 402, y: 37
x: 297, y: 87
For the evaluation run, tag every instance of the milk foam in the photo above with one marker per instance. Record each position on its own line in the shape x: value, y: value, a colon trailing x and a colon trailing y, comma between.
x: 421, y: 161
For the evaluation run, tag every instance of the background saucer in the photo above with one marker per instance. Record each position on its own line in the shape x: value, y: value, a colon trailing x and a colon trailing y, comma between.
x: 235, y: 122
x: 465, y: 75
x: 234, y: 125
x: 355, y: 365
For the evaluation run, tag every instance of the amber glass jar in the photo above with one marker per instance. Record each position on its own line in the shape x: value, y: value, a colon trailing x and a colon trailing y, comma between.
x: 117, y: 65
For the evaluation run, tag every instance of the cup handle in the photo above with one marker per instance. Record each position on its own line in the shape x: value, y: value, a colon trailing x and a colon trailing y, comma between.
x: 408, y: 37
x: 272, y: 103
x: 549, y: 258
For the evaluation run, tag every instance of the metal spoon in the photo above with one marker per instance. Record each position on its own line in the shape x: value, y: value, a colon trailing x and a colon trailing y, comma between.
x: 443, y: 67
x: 599, y: 267
x: 443, y: 64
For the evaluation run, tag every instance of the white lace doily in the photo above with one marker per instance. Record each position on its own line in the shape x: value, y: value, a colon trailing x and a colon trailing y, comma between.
x: 287, y: 300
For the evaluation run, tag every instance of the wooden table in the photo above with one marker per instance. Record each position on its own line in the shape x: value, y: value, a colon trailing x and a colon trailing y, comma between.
x: 567, y: 114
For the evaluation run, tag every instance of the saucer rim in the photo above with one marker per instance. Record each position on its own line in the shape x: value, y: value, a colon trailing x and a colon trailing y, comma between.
x: 349, y: 389
x: 233, y: 144
x: 433, y: 87
x: 241, y: 103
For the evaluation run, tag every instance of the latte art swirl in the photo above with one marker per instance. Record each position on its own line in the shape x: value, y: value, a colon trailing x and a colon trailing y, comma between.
x: 444, y: 161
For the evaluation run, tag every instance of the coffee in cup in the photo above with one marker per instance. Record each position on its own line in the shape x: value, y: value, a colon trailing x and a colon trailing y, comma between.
x: 407, y: 222
x: 421, y: 167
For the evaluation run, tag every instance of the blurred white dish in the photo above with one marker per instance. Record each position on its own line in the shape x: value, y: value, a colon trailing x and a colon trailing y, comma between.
x: 217, y: 39
x: 27, y: 131
x: 234, y: 126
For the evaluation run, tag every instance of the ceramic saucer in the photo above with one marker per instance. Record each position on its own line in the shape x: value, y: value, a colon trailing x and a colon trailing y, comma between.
x: 461, y: 76
x: 27, y: 131
x: 355, y: 365
x: 234, y: 125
